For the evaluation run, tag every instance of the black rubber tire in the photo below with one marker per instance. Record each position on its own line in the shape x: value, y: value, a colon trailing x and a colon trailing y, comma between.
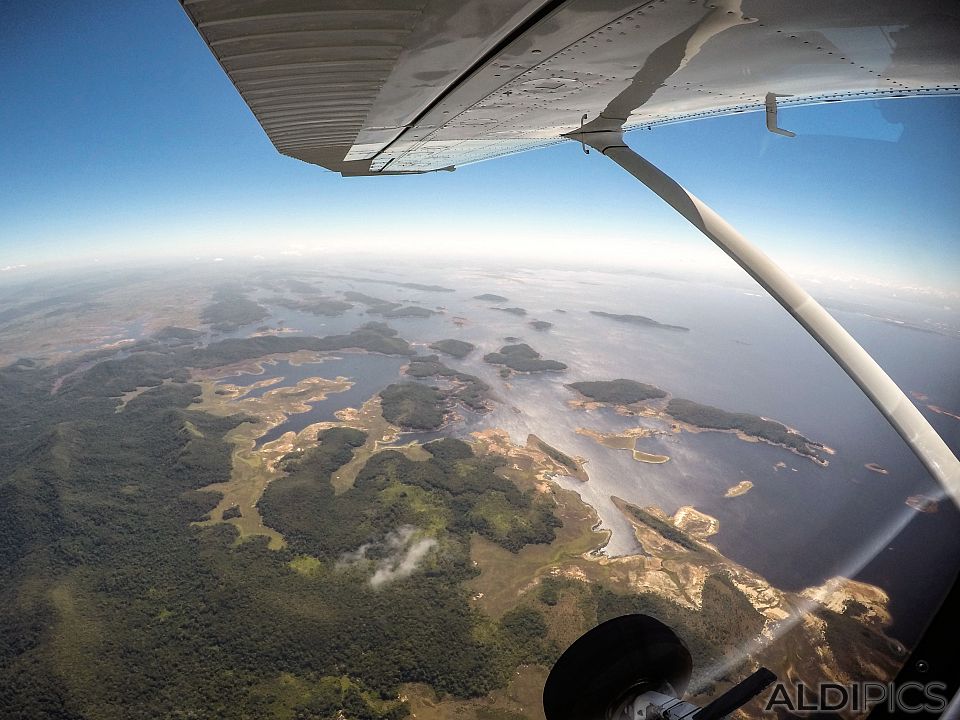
x: 632, y: 651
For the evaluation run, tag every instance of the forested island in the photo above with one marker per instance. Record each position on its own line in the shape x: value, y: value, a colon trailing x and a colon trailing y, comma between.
x: 638, y: 320
x: 522, y: 358
x: 455, y: 348
x: 617, y: 392
x: 512, y: 310
x: 490, y: 297
x: 541, y: 324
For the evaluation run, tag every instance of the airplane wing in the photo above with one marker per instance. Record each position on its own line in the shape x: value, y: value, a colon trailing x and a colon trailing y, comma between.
x: 367, y: 87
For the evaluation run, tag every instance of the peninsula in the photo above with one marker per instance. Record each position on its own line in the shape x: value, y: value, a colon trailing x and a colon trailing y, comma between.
x: 706, y: 417
x: 566, y: 464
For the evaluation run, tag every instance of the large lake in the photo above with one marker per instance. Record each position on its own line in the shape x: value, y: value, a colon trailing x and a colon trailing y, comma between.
x: 369, y: 373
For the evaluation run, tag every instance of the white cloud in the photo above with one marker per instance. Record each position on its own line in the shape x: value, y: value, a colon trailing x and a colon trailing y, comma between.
x: 12, y: 267
x: 402, y: 552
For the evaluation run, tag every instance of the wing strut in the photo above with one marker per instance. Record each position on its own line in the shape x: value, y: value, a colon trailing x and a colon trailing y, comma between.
x: 856, y: 362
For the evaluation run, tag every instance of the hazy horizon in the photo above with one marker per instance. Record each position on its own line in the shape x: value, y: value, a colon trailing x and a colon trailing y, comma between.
x: 280, y: 443
x: 723, y: 271
x: 122, y: 137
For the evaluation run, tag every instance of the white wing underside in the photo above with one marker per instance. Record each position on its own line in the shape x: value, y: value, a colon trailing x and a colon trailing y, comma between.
x: 385, y: 86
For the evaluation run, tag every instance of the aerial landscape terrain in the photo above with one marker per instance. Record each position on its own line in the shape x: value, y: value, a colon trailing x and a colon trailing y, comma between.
x: 241, y: 491
x: 357, y: 359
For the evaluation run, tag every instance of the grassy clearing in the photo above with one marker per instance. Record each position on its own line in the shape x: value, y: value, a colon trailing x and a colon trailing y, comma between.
x: 431, y: 515
x: 504, y: 575
x: 192, y: 429
x: 74, y: 635
x: 306, y: 565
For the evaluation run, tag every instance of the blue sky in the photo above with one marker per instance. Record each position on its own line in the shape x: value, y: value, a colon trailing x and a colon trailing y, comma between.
x: 120, y: 136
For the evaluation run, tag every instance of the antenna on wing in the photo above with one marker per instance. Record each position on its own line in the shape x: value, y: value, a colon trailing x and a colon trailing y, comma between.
x: 582, y: 143
x: 771, y: 103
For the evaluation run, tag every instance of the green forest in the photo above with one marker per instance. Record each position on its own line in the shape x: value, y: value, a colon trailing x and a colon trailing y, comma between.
x: 412, y: 406
x: 113, y: 605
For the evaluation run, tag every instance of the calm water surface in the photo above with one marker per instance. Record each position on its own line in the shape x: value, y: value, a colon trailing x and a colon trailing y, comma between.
x: 369, y: 372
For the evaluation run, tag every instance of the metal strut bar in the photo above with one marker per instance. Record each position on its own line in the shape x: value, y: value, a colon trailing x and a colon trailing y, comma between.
x: 896, y: 407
